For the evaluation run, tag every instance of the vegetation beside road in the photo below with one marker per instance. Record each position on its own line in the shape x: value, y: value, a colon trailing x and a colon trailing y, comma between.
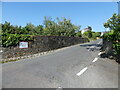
x: 11, y: 35
x: 91, y: 35
x: 114, y: 34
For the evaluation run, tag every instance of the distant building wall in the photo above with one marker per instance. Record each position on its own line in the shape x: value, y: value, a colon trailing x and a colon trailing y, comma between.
x: 42, y: 44
x: 84, y: 30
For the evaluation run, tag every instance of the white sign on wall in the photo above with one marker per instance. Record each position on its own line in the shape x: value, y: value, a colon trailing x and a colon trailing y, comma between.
x: 23, y: 45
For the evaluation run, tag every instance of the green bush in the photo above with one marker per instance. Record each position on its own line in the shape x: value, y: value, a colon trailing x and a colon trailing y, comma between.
x: 109, y: 36
x: 14, y: 39
x: 12, y: 35
x: 114, y: 35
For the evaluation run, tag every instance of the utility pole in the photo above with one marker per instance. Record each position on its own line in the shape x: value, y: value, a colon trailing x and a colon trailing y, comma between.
x: 118, y: 7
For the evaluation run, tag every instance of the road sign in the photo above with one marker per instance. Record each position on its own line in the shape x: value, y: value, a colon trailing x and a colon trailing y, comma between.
x: 23, y: 45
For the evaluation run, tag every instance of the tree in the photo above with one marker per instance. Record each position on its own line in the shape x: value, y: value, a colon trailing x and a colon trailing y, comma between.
x: 78, y: 34
x: 113, y: 22
x: 50, y: 26
x: 67, y: 28
x: 90, y: 28
x: 62, y: 27
x: 6, y: 27
x: 39, y: 30
x: 11, y: 34
x: 114, y: 35
x: 88, y: 34
x: 29, y: 29
x: 95, y: 35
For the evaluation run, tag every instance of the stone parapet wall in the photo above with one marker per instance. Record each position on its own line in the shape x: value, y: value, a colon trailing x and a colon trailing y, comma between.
x: 42, y: 44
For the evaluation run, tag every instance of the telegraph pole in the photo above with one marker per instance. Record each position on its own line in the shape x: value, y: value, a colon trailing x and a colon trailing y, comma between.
x: 118, y: 7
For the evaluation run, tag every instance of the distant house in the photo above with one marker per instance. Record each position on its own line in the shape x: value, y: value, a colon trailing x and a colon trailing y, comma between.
x: 102, y: 33
x: 84, y: 30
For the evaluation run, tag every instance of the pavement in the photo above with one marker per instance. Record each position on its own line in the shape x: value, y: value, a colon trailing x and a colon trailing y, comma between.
x: 78, y: 66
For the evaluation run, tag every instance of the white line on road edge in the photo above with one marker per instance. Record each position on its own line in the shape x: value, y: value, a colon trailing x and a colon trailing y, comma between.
x: 1, y: 51
x: 82, y: 71
x: 59, y: 88
x: 95, y: 60
x: 99, y: 53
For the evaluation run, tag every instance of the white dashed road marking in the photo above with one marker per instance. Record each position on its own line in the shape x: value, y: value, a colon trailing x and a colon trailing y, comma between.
x: 100, y: 53
x: 82, y: 71
x: 95, y: 60
x: 59, y: 88
x: 1, y: 51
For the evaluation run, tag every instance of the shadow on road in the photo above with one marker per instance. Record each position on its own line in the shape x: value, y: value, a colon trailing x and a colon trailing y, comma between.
x: 92, y: 47
x: 86, y: 45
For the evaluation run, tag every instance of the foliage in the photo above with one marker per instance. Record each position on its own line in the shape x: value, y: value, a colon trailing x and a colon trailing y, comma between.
x: 86, y: 34
x: 13, y: 39
x: 12, y: 35
x: 90, y: 28
x: 113, y: 22
x: 114, y: 34
x: 109, y: 35
x: 96, y: 34
x: 62, y: 27
x: 91, y: 35
x: 78, y: 34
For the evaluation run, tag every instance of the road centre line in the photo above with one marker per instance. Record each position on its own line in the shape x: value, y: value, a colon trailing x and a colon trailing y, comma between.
x: 82, y: 71
x: 1, y: 51
x: 59, y: 88
x: 95, y: 60
x: 99, y: 53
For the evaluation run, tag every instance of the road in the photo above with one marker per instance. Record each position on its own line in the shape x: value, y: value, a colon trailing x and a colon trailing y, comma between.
x: 78, y: 66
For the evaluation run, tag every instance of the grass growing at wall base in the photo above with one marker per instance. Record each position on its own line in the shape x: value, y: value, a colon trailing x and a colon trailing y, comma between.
x: 12, y: 60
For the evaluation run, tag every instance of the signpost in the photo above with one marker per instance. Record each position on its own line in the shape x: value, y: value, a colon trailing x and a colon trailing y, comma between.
x: 23, y: 45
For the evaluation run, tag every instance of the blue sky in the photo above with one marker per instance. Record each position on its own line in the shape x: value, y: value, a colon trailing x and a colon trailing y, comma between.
x: 85, y: 14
